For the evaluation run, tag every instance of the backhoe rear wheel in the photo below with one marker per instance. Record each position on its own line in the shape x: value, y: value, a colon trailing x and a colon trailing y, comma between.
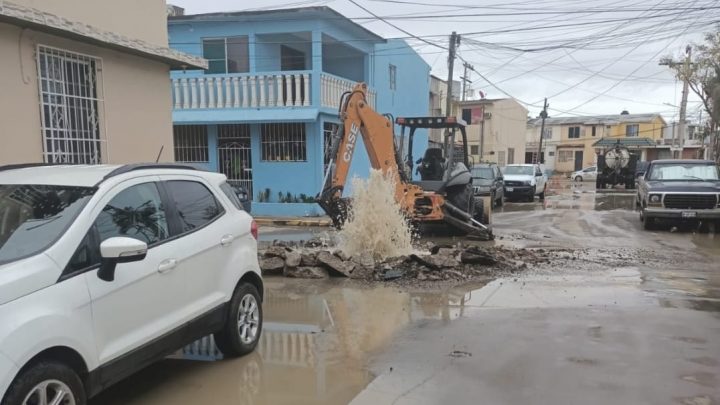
x: 461, y: 197
x: 479, y: 212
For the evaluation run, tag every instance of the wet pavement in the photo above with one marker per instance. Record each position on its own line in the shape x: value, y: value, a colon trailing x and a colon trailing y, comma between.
x: 634, y: 320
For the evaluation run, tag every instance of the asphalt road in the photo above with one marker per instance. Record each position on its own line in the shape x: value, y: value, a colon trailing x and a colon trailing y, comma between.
x: 635, y: 319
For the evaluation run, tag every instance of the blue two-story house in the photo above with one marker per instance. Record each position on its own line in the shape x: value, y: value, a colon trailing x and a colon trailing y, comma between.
x: 264, y: 110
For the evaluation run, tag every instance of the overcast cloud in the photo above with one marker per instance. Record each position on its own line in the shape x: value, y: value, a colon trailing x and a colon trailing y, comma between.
x: 598, y: 57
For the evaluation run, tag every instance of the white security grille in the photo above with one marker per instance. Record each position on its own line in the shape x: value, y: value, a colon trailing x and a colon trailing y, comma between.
x: 191, y: 143
x: 234, y: 154
x: 70, y: 113
x: 284, y: 142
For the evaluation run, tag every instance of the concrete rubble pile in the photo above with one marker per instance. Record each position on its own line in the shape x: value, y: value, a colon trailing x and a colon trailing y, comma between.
x: 312, y: 259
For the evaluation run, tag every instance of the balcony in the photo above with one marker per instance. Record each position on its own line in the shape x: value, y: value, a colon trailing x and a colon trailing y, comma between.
x: 260, y: 90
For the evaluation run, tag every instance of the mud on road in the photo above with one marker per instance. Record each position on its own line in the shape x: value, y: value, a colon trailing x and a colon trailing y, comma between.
x: 615, y: 313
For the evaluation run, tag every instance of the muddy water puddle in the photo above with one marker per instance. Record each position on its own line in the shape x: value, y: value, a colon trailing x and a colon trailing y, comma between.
x: 315, y: 348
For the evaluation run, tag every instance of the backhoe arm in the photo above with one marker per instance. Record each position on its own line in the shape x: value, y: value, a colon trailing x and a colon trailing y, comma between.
x: 360, y: 120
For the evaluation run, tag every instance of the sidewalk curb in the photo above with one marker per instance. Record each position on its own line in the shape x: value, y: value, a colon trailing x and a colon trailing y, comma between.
x: 293, y: 221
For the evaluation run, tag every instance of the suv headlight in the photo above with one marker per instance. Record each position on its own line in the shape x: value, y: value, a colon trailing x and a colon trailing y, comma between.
x: 655, y: 199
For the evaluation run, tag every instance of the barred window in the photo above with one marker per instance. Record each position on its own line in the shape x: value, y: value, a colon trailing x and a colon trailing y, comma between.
x: 191, y: 143
x: 283, y: 142
x: 565, y: 156
x: 70, y: 114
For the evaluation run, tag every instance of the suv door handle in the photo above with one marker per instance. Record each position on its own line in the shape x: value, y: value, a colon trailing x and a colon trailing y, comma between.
x: 227, y: 240
x: 166, y: 265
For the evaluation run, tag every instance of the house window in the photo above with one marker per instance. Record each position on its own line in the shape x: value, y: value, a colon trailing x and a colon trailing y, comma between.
x: 593, y: 130
x: 474, y: 149
x: 547, y: 133
x: 632, y: 130
x: 573, y: 132
x: 511, y: 156
x: 467, y: 115
x: 283, y: 142
x: 565, y: 156
x: 70, y: 117
x: 227, y: 55
x: 551, y: 153
x: 393, y: 77
x: 191, y: 143
x: 329, y: 128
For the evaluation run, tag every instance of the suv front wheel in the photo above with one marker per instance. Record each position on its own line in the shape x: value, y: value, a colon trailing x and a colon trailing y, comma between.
x: 46, y: 383
x: 243, y: 325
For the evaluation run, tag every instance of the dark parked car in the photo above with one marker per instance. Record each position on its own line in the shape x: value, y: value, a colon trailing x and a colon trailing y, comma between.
x: 681, y: 190
x: 488, y: 180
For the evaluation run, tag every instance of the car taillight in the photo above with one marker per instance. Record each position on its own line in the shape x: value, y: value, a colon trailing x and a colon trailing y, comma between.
x: 254, y: 229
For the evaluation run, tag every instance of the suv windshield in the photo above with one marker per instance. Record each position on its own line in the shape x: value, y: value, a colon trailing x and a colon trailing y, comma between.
x: 32, y: 217
x: 526, y: 170
x: 685, y: 172
x: 484, y: 173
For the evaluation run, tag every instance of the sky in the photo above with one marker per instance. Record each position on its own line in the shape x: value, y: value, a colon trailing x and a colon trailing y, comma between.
x: 587, y: 57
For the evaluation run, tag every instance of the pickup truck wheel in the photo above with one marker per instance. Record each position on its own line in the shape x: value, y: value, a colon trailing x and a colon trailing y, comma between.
x: 542, y: 195
x: 648, y: 222
x: 243, y: 324
x: 531, y: 197
x: 46, y: 383
x: 578, y: 178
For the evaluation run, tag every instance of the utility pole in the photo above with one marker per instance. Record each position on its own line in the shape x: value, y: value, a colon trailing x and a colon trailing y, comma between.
x: 683, y: 103
x: 543, y: 115
x: 465, y: 79
x: 454, y: 41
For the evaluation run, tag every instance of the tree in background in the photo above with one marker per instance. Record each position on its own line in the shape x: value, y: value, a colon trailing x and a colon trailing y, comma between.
x: 703, y: 77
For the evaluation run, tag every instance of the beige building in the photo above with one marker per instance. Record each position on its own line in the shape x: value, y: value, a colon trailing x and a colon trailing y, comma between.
x: 495, y: 129
x: 438, y: 102
x: 568, y: 142
x: 86, y: 81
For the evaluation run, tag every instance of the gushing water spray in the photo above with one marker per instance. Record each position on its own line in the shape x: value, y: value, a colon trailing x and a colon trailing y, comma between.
x: 375, y: 222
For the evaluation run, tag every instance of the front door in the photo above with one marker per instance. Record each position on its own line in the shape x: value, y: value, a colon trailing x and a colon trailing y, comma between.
x: 143, y: 302
x: 235, y: 156
x: 578, y: 160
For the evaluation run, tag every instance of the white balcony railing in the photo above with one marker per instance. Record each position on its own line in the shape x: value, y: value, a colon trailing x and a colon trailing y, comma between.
x: 332, y: 87
x: 286, y: 89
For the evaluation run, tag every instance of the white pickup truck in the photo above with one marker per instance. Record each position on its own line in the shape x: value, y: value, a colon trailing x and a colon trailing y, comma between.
x: 524, y: 181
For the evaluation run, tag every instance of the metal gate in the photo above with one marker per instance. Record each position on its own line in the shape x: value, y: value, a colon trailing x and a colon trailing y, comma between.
x: 234, y: 156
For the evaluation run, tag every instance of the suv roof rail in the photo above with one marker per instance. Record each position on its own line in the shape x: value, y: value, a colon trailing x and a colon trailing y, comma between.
x: 26, y: 165
x: 145, y: 166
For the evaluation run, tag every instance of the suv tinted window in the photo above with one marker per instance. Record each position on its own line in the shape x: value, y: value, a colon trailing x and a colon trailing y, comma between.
x: 232, y: 195
x: 34, y: 216
x: 136, y: 212
x: 195, y: 204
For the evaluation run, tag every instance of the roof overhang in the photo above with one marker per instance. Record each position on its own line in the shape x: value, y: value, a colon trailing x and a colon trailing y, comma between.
x: 628, y: 142
x: 27, y: 17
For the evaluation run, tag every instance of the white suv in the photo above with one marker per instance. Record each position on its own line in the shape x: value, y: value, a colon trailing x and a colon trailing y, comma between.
x: 106, y: 269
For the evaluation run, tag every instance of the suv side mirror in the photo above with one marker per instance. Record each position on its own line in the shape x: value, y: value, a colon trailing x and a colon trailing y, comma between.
x: 119, y: 250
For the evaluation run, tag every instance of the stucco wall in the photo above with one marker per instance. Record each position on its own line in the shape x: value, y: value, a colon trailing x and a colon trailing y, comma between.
x: 136, y: 118
x: 138, y: 19
x: 505, y: 129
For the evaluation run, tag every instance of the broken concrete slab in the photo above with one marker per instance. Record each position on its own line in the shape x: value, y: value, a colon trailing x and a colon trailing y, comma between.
x: 475, y: 255
x: 308, y: 259
x: 334, y: 264
x: 276, y: 251
x: 293, y: 259
x: 305, y: 272
x: 272, y: 265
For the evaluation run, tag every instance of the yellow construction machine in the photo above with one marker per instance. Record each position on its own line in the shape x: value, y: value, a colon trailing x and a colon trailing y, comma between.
x: 444, y: 195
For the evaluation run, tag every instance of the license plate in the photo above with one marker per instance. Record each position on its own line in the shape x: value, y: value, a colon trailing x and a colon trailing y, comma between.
x: 510, y: 189
x: 689, y: 214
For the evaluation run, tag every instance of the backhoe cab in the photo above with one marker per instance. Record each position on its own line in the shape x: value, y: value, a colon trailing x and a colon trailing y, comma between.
x: 443, y: 195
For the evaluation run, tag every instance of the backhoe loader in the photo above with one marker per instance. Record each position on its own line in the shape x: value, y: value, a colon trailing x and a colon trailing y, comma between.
x: 444, y: 195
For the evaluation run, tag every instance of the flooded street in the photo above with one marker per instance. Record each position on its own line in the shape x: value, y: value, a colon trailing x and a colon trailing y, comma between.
x: 634, y: 319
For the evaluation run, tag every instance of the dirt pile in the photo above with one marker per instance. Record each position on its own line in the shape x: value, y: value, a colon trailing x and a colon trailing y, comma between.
x: 439, y: 262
